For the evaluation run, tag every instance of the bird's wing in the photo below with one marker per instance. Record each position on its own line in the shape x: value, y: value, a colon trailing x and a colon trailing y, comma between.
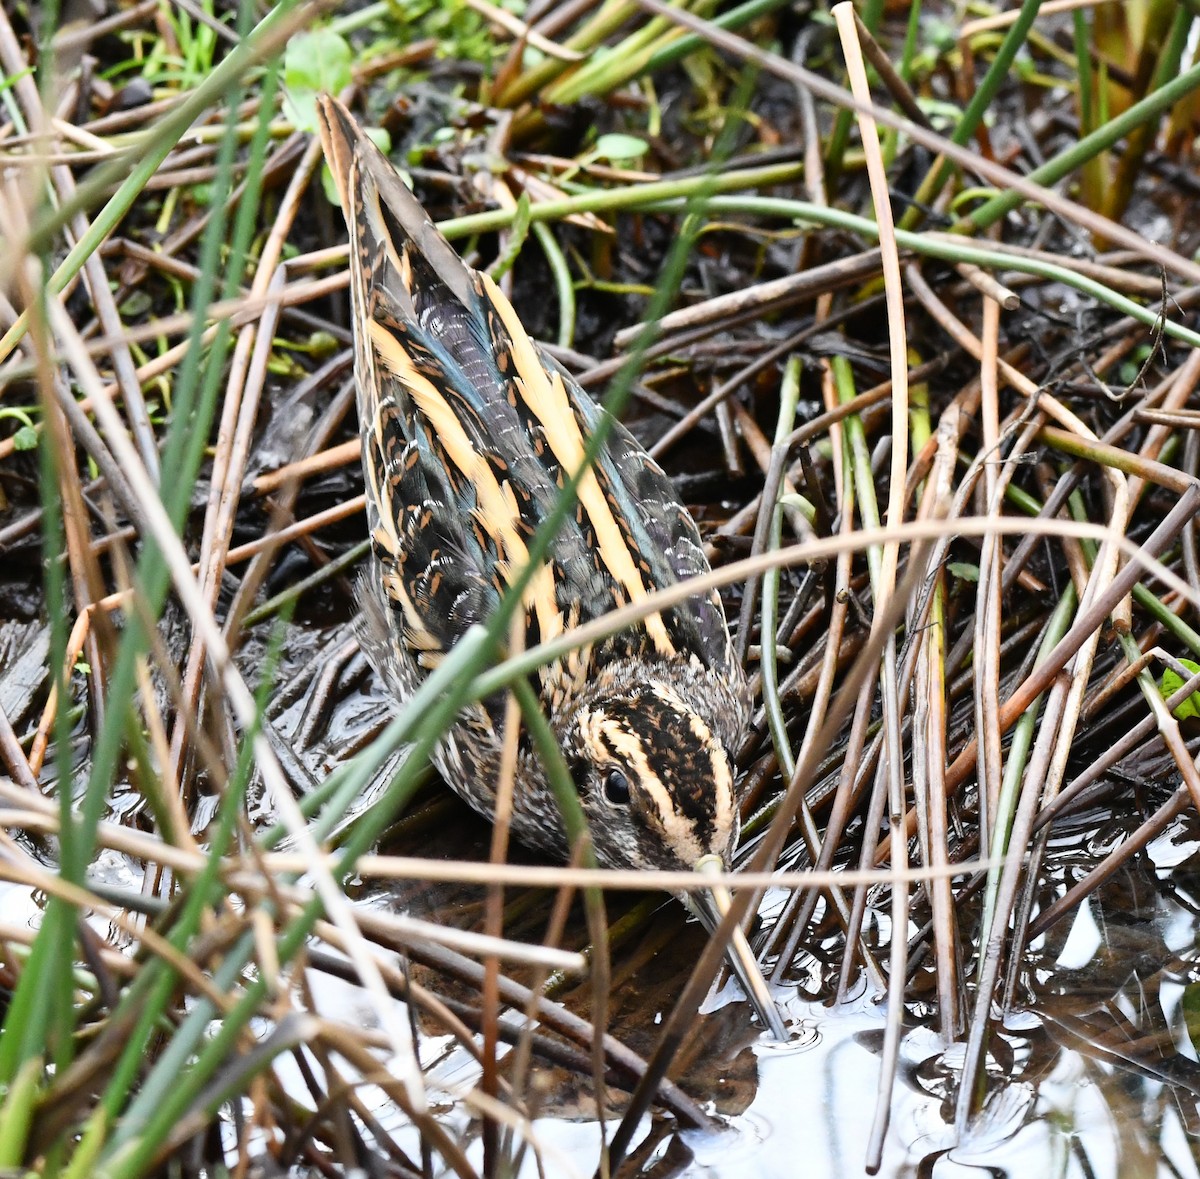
x: 661, y: 530
x: 469, y: 433
x: 437, y: 565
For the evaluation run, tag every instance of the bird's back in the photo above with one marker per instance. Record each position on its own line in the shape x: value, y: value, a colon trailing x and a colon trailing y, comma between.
x: 469, y: 434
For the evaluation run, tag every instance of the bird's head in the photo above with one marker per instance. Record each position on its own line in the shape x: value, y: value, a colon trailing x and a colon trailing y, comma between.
x: 654, y: 778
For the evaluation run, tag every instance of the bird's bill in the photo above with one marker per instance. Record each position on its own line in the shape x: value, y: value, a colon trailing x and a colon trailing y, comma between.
x: 710, y: 907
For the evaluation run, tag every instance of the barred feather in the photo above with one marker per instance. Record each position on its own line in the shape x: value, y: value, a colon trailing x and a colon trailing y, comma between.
x: 469, y: 431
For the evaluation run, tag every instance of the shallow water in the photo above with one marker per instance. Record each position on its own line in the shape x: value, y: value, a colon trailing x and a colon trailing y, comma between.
x: 1097, y: 1078
x: 1096, y: 1075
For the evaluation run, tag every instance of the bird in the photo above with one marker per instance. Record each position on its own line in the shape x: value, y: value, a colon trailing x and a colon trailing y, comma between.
x: 469, y: 433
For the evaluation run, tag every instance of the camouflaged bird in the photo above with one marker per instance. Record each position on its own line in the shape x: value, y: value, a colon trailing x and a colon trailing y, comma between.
x: 468, y: 433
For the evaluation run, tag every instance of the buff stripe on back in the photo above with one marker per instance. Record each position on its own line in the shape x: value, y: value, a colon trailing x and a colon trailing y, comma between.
x: 546, y: 398
x: 497, y: 512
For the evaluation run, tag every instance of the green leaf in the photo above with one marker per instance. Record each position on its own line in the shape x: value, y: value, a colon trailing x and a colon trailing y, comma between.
x: 941, y: 34
x: 963, y: 571
x: 330, y: 186
x: 321, y: 344
x: 382, y: 140
x: 16, y: 1114
x: 137, y: 303
x: 313, y: 63
x: 795, y: 500
x: 517, y: 236
x: 1172, y: 681
x: 26, y: 438
x: 615, y: 147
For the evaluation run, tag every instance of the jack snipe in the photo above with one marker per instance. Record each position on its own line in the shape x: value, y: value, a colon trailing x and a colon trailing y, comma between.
x: 468, y: 430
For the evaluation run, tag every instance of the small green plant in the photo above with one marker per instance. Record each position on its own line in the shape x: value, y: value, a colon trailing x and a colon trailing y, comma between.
x: 182, y: 58
x: 318, y: 62
x: 1172, y: 681
x: 26, y: 437
x: 461, y: 32
x: 613, y: 148
x: 313, y: 63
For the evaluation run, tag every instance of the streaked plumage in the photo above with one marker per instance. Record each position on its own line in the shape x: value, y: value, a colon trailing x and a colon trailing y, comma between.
x: 468, y: 432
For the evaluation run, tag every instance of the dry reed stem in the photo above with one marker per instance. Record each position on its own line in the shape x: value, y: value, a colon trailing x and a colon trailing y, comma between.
x: 240, y: 698
x: 1001, y: 20
x: 918, y: 686
x: 239, y: 414
x: 884, y: 585
x: 1103, y: 228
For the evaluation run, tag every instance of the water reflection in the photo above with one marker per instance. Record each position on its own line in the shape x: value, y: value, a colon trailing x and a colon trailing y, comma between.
x: 1095, y: 1073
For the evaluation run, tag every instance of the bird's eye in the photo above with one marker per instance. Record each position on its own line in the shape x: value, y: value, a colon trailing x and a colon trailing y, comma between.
x: 616, y: 788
